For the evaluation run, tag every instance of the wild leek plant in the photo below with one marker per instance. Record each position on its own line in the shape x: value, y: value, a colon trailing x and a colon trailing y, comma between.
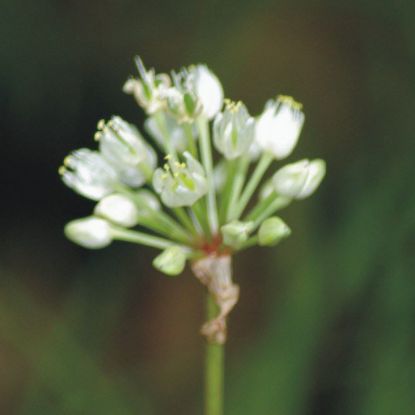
x: 195, y: 206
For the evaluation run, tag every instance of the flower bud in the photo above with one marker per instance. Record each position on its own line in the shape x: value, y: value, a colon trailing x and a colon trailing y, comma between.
x: 279, y: 126
x: 197, y: 91
x: 236, y: 233
x: 233, y: 130
x: 90, y: 232
x: 171, y: 261
x: 89, y: 174
x: 149, y: 90
x: 272, y: 230
x: 207, y: 89
x: 180, y: 184
x: 299, y: 180
x: 118, y: 209
x: 124, y: 148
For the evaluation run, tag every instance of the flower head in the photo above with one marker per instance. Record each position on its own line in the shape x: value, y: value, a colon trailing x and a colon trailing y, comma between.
x: 279, y: 126
x: 180, y: 184
x: 89, y: 174
x: 299, y: 180
x: 149, y: 90
x: 198, y: 203
x: 233, y: 130
x: 122, y: 145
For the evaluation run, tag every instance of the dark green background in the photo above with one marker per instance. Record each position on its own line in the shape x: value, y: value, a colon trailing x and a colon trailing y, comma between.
x: 326, y: 321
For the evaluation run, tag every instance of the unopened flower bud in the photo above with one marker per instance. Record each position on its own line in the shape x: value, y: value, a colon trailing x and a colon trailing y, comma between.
x: 299, y: 180
x: 149, y: 90
x: 207, y: 88
x: 279, y: 126
x: 272, y: 230
x: 233, y: 130
x: 171, y: 261
x: 197, y: 91
x: 89, y: 174
x: 118, y: 209
x: 90, y: 232
x: 236, y: 233
x: 180, y: 184
x: 124, y: 148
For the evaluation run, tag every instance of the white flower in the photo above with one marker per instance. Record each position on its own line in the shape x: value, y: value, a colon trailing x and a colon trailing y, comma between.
x: 233, y: 130
x: 119, y: 209
x: 279, y: 126
x: 180, y: 184
x: 175, y: 132
x: 149, y: 91
x: 89, y: 174
x: 171, y: 261
x: 124, y: 148
x: 89, y: 232
x: 196, y: 92
x: 299, y: 180
x: 207, y: 88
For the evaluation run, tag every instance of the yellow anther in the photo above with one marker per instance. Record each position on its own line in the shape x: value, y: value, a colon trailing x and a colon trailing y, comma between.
x: 166, y: 167
x: 97, y: 136
x: 286, y: 99
x: 61, y: 170
x: 176, y: 175
x: 167, y: 157
x: 232, y: 106
x: 183, y: 165
x: 67, y: 160
x: 101, y: 124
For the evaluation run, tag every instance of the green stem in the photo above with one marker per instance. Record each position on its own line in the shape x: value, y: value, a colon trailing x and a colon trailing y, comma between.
x: 230, y: 169
x: 187, y: 127
x: 168, y: 144
x: 206, y: 153
x: 252, y: 184
x: 260, y: 207
x: 185, y: 219
x: 214, y: 368
x: 277, y: 204
x: 199, y: 210
x: 140, y: 238
x: 238, y: 183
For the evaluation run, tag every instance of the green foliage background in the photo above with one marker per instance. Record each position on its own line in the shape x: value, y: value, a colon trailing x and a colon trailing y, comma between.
x: 326, y: 321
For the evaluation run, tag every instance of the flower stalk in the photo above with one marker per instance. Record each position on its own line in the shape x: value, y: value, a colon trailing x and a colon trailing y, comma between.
x: 214, y: 367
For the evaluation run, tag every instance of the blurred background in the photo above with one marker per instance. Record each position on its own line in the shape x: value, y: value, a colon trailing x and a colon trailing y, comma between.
x: 326, y: 321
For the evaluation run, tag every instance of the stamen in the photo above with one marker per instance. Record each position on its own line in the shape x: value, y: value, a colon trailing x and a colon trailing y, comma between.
x: 67, y: 160
x: 62, y: 170
x: 101, y: 124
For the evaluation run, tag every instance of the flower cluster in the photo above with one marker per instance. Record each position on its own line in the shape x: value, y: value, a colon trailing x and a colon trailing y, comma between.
x: 194, y: 202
